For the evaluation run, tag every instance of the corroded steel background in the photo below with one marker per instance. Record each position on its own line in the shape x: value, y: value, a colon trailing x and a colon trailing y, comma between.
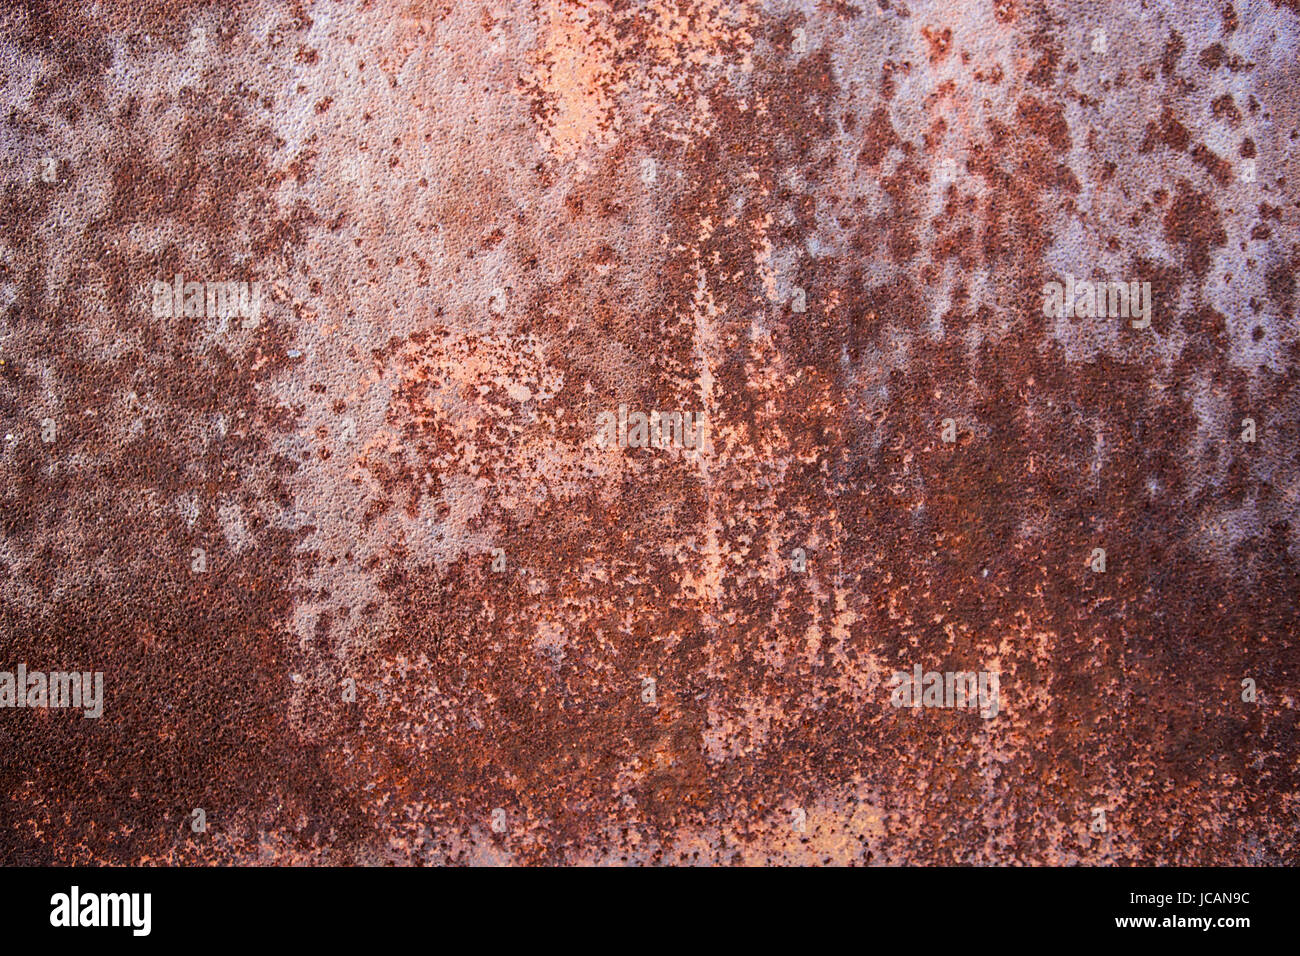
x: 467, y: 258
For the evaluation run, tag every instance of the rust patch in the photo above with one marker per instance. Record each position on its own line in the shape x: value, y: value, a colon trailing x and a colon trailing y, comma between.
x: 368, y: 579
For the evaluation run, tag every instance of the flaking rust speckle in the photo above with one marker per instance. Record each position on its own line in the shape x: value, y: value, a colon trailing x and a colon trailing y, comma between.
x: 439, y: 619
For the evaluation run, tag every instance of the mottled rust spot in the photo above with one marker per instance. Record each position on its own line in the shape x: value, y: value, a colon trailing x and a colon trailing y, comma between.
x: 826, y: 227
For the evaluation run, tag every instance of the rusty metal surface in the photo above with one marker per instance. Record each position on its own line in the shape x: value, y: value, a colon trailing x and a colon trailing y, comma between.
x: 825, y: 228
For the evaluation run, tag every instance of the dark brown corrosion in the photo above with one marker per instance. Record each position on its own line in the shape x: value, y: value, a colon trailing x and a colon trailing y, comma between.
x: 363, y: 583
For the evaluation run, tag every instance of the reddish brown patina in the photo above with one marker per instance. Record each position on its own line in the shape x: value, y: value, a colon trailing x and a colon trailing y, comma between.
x: 366, y: 585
